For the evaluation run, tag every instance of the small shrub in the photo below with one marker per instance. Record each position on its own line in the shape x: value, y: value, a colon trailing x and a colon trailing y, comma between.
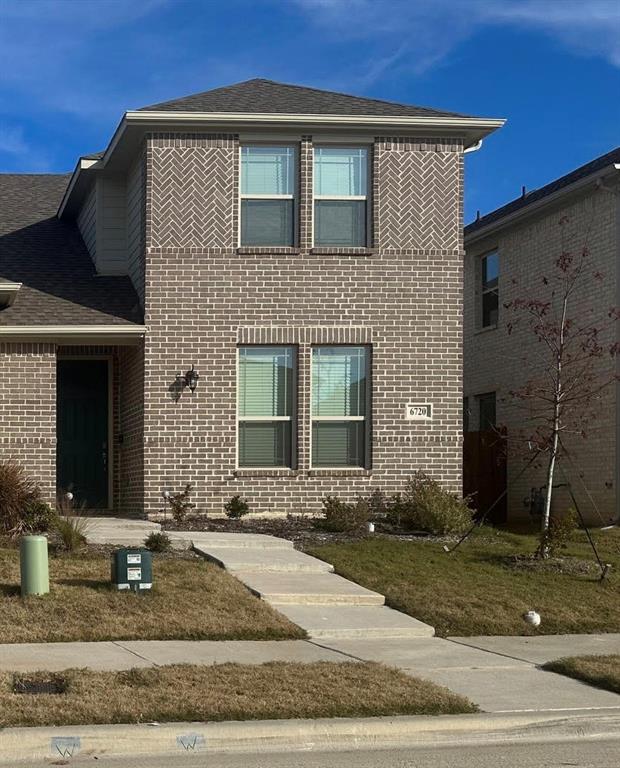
x: 158, y: 541
x: 343, y: 517
x: 180, y: 505
x: 38, y: 517
x: 236, y: 507
x: 426, y: 506
x: 18, y: 491
x: 559, y: 533
x: 378, y: 503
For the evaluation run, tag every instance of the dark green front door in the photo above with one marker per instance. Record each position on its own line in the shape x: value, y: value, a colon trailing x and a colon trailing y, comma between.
x: 82, y: 431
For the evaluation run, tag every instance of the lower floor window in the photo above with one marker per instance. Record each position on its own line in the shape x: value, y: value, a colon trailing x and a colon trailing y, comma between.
x: 265, y: 406
x: 340, y: 406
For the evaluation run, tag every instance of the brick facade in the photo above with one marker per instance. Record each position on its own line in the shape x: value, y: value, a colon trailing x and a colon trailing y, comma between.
x: 28, y: 408
x: 494, y: 360
x: 204, y: 296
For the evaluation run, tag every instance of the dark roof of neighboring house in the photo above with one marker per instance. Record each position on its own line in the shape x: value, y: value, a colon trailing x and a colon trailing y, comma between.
x: 266, y: 96
x: 49, y: 257
x: 535, y: 195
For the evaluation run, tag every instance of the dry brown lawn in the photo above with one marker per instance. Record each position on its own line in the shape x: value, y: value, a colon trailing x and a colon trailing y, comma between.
x: 227, y: 692
x: 601, y: 671
x: 191, y: 599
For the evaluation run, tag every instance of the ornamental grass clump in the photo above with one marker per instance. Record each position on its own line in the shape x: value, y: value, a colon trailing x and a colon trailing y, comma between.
x: 22, y: 510
x: 425, y: 506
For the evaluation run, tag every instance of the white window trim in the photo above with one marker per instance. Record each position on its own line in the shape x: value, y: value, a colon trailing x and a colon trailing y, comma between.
x: 367, y: 419
x: 294, y: 197
x: 292, y: 418
x: 367, y: 198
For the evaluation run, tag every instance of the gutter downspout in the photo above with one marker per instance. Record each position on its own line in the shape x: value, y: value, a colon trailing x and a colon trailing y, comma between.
x: 474, y: 147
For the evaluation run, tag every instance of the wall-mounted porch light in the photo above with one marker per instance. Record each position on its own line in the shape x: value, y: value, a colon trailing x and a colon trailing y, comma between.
x: 190, y: 379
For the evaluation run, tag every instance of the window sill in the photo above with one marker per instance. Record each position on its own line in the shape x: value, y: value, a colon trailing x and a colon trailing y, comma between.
x: 267, y: 472
x: 340, y: 472
x: 276, y: 250
x: 486, y: 329
x: 334, y: 250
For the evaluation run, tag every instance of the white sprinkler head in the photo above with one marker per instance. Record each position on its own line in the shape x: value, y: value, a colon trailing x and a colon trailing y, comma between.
x: 532, y: 618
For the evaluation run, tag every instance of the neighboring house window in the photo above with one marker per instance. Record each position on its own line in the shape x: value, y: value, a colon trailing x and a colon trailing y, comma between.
x: 267, y: 196
x: 340, y: 406
x: 465, y: 414
x: 341, y: 196
x: 266, y: 403
x: 487, y: 411
x: 490, y: 296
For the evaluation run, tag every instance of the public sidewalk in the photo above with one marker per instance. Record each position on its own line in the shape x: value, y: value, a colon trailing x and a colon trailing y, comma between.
x: 497, y: 682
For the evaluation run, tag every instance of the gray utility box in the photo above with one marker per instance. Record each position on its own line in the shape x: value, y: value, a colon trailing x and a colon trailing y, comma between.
x: 132, y: 569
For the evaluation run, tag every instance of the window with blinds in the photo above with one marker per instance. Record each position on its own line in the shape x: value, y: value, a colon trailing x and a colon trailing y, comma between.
x: 340, y: 406
x: 340, y: 196
x: 265, y: 397
x: 268, y: 195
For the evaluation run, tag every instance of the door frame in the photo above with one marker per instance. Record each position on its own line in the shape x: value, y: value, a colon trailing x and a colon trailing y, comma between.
x: 111, y: 454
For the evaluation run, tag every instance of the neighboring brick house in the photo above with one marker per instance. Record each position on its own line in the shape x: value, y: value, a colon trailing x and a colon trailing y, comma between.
x: 299, y: 250
x: 508, y: 252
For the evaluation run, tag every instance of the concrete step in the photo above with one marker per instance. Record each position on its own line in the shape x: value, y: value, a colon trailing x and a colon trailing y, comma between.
x: 360, y: 621
x: 299, y: 589
x: 235, y: 559
x: 233, y: 540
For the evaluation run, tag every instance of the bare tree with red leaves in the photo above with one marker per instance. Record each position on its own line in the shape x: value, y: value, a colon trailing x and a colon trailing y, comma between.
x: 563, y: 395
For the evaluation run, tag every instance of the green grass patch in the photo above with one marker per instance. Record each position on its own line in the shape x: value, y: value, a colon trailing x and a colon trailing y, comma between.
x: 600, y: 671
x: 191, y: 599
x: 485, y: 586
x: 270, y: 691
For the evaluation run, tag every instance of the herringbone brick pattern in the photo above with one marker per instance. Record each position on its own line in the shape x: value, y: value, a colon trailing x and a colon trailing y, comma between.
x: 417, y: 195
x: 193, y: 193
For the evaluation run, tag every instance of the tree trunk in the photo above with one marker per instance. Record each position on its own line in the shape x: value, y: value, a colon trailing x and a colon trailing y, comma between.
x: 544, y: 527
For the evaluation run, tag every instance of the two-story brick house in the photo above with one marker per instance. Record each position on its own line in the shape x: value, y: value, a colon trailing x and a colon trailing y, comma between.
x: 244, y: 292
x: 508, y: 253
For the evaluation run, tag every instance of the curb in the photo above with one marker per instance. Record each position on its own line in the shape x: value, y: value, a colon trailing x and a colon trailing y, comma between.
x: 26, y: 745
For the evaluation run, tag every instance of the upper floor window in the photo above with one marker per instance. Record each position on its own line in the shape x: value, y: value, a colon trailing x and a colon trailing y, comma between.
x: 267, y: 195
x: 490, y: 294
x: 265, y: 404
x: 341, y: 196
x: 340, y: 406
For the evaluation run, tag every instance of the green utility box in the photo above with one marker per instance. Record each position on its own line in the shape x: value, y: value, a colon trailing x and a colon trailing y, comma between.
x: 33, y: 565
x: 132, y: 569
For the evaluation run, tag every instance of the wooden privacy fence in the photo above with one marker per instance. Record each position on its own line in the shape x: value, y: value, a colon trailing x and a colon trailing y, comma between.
x: 484, y: 472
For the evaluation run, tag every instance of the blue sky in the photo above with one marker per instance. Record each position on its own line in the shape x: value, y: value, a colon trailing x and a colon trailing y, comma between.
x: 69, y: 68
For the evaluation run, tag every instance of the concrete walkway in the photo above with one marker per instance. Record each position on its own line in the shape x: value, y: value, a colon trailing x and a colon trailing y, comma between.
x: 305, y: 589
x: 344, y: 622
x: 493, y: 681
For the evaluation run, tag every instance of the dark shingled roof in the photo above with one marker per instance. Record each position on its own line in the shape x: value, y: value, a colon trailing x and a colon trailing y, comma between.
x: 539, y: 194
x: 266, y: 96
x: 49, y: 257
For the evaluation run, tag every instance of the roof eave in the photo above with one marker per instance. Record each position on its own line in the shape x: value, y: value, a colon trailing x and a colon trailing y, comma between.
x: 8, y: 292
x: 471, y: 128
x: 537, y: 205
x: 124, y: 334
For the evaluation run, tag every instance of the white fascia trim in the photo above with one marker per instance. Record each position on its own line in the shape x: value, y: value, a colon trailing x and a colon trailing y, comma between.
x: 82, y: 165
x: 539, y: 204
x: 8, y: 292
x: 85, y: 331
x: 284, y: 119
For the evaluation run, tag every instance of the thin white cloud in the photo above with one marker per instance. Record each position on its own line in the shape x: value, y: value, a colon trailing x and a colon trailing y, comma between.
x: 424, y: 32
x: 12, y: 141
